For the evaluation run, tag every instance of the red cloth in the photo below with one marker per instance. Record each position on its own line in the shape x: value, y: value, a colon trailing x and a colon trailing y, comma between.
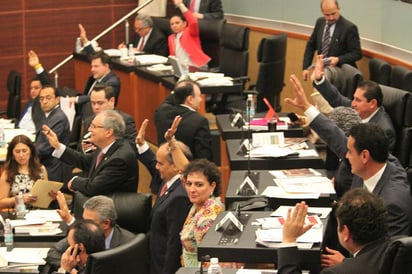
x: 163, y: 190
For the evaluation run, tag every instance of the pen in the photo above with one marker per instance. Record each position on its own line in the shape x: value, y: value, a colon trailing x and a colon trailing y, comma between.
x: 314, y: 213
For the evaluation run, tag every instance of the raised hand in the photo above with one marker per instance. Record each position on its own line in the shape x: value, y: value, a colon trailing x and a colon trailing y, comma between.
x: 173, y: 128
x: 33, y: 58
x: 295, y: 223
x: 300, y: 100
x: 51, y: 136
x: 141, y: 135
x: 82, y: 35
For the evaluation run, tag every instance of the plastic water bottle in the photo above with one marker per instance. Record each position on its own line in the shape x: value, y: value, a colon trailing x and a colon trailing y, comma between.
x: 214, y: 267
x: 78, y: 45
x: 131, y: 50
x: 2, y: 137
x: 20, y: 206
x: 250, y: 107
x: 8, y: 235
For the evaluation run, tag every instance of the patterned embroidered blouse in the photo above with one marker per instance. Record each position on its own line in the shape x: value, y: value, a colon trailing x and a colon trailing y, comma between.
x: 22, y: 182
x: 195, y: 227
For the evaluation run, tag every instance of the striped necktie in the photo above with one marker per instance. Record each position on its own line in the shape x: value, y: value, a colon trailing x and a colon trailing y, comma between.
x: 326, y: 41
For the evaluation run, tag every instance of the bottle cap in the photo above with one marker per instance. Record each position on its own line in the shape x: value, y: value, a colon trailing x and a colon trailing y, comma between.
x: 214, y: 260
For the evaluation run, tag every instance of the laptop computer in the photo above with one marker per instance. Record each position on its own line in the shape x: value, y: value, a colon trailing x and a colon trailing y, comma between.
x: 176, y: 66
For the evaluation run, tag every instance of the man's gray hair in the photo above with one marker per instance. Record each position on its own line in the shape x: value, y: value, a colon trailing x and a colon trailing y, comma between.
x: 146, y: 20
x: 345, y: 118
x: 103, y: 206
x: 112, y: 119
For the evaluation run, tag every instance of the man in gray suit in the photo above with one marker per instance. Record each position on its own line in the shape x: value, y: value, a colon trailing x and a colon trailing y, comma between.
x: 99, y: 209
x: 367, y: 151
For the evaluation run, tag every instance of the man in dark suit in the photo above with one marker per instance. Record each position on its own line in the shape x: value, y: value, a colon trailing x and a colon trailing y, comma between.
x: 344, y: 44
x: 148, y: 38
x: 101, y: 99
x: 32, y: 115
x: 367, y: 151
x: 111, y: 168
x: 100, y: 209
x: 205, y: 9
x: 194, y: 128
x: 364, y: 236
x: 55, y: 119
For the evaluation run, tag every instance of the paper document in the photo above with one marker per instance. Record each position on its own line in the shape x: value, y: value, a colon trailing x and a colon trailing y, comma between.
x: 271, y: 151
x: 47, y: 215
x: 150, y: 59
x: 322, y: 212
x: 41, y: 189
x: 313, y: 235
x: 24, y: 255
x: 295, y: 172
x: 278, y: 192
x: 68, y: 109
x: 314, y: 184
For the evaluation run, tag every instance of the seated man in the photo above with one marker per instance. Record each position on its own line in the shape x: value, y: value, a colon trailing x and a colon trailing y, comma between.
x: 85, y: 237
x: 102, y: 98
x: 99, y: 209
x: 111, y: 168
x: 205, y: 9
x: 365, y: 236
x: 194, y: 129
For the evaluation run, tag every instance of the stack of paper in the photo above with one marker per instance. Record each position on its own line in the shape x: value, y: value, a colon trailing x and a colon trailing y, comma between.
x: 310, y: 184
x: 150, y: 59
x: 47, y: 228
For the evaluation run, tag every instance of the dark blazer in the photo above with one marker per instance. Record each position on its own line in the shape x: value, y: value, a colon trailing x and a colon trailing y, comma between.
x: 392, y: 187
x: 148, y: 159
x: 36, y: 112
x: 58, y: 122
x: 120, y: 236
x: 157, y: 43
x: 345, y: 42
x: 117, y: 172
x: 367, y: 261
x: 193, y: 129
x: 381, y: 118
x: 211, y: 9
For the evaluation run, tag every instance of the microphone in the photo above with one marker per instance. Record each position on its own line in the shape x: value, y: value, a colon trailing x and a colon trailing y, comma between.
x: 203, y: 259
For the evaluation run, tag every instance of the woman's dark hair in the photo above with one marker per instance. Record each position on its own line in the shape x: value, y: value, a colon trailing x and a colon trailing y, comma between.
x: 208, y: 169
x: 12, y: 166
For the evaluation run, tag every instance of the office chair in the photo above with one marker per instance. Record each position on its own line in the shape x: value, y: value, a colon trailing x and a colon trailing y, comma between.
x: 210, y: 32
x: 163, y: 24
x: 133, y: 209
x: 132, y: 257
x: 397, y: 259
x: 401, y: 78
x: 380, y: 71
x: 14, y: 99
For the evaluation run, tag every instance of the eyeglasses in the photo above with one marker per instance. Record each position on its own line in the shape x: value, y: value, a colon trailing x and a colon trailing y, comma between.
x: 140, y: 29
x: 47, y: 98
x: 93, y: 126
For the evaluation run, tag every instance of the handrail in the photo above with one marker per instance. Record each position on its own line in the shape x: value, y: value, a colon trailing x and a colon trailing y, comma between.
x: 104, y: 33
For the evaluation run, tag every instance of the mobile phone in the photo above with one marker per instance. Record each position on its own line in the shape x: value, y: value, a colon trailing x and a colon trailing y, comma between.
x: 293, y: 117
x: 78, y: 251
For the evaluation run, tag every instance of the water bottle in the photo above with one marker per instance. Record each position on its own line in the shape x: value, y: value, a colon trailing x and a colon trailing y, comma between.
x: 131, y: 50
x: 214, y: 267
x: 2, y: 137
x: 250, y: 107
x: 20, y: 206
x: 8, y: 235
x: 78, y: 45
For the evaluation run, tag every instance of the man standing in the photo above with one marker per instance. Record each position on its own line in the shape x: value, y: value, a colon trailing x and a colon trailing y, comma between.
x: 111, y: 168
x: 194, y: 128
x: 205, y: 9
x: 54, y: 119
x: 334, y: 37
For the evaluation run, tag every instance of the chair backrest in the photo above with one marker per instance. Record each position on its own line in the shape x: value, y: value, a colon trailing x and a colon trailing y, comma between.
x: 133, y: 209
x: 271, y: 56
x: 163, y: 24
x: 401, y: 78
x: 131, y: 257
x: 14, y: 100
x: 398, y: 105
x: 397, y: 257
x: 380, y: 71
x: 210, y: 31
x: 234, y: 50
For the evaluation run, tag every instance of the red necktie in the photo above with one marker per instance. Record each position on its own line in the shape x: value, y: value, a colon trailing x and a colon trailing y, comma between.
x: 141, y: 45
x: 192, y: 5
x: 164, y: 189
x: 99, y: 158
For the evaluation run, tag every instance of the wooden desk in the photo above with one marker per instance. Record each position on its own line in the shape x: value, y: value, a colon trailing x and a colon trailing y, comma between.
x: 240, y: 162
x: 265, y: 180
x: 247, y: 250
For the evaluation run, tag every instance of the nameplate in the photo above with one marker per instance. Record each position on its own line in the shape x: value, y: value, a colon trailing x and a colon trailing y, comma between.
x: 229, y: 217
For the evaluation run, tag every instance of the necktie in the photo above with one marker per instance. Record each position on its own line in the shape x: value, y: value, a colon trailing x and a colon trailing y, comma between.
x: 192, y: 5
x: 163, y: 190
x: 99, y: 158
x: 141, y: 45
x: 326, y: 41
x: 91, y: 88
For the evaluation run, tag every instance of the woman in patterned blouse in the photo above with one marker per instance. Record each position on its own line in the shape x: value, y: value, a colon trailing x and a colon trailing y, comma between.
x: 21, y: 170
x: 202, y: 183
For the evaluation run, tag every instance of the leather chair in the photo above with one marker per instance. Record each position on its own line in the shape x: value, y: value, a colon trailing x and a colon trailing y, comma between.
x: 271, y: 56
x: 345, y: 78
x: 398, y: 105
x: 210, y: 31
x: 380, y: 71
x: 397, y: 259
x: 401, y: 78
x: 133, y: 209
x: 14, y: 98
x: 163, y: 24
x: 131, y: 257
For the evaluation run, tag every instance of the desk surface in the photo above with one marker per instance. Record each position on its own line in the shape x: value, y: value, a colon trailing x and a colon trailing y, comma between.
x: 246, y: 249
x: 239, y: 162
x: 228, y: 132
x: 265, y: 180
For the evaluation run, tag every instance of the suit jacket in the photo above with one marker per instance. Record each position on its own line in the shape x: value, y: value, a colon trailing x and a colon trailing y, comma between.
x: 36, y: 113
x: 392, y: 187
x: 345, y: 42
x: 381, y: 118
x: 58, y: 122
x: 117, y: 172
x: 367, y: 261
x: 190, y: 41
x: 129, y: 134
x: 193, y: 129
x: 211, y: 9
x: 156, y: 44
x: 120, y: 236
